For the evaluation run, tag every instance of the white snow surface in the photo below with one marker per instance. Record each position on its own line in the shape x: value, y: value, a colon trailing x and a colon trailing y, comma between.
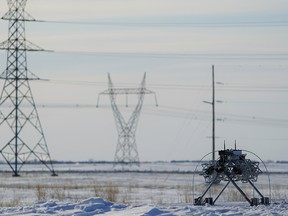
x: 146, y: 191
x: 98, y: 206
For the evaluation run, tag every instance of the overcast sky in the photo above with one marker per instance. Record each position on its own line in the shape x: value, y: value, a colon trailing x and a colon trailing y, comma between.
x: 175, y: 42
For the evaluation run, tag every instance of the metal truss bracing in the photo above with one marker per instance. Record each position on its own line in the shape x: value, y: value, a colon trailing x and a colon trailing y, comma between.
x: 22, y: 137
x: 126, y: 150
x: 231, y: 167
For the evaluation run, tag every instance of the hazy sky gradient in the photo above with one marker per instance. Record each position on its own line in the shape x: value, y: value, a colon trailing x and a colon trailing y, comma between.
x: 245, y: 40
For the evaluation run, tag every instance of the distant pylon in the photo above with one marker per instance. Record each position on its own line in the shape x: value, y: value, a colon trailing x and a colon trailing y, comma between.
x: 126, y: 150
x: 21, y: 130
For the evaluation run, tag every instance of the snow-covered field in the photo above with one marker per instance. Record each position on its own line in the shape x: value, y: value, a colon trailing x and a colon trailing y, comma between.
x: 95, y: 206
x: 159, y: 188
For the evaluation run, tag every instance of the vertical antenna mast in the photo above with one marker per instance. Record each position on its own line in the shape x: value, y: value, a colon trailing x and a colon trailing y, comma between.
x: 18, y: 114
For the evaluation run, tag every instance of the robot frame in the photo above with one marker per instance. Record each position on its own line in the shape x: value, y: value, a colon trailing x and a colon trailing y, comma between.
x: 232, y: 166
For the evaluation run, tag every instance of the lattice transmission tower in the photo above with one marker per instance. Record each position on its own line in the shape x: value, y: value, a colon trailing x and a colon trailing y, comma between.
x: 22, y: 139
x: 126, y: 150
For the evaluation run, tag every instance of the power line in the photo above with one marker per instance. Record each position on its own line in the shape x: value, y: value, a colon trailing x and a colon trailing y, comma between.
x: 223, y: 117
x: 190, y: 56
x: 181, y: 113
x: 279, y: 23
x: 240, y: 88
x: 178, y: 112
x: 74, y: 82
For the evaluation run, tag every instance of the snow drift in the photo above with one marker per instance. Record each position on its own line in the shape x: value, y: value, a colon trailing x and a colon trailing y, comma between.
x: 98, y: 206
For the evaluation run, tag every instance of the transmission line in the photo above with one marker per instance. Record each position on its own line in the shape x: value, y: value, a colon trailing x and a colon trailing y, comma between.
x: 280, y: 23
x: 191, y: 56
x: 178, y: 112
x: 238, y: 88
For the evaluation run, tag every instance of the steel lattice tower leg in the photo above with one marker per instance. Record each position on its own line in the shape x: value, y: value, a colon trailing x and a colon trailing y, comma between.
x: 19, y: 118
x: 126, y: 150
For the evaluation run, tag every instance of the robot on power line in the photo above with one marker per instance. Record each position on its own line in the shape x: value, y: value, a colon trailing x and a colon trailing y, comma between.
x: 232, y: 166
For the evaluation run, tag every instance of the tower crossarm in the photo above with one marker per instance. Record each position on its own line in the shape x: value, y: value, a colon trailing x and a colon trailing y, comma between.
x: 24, y: 46
x: 125, y: 91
